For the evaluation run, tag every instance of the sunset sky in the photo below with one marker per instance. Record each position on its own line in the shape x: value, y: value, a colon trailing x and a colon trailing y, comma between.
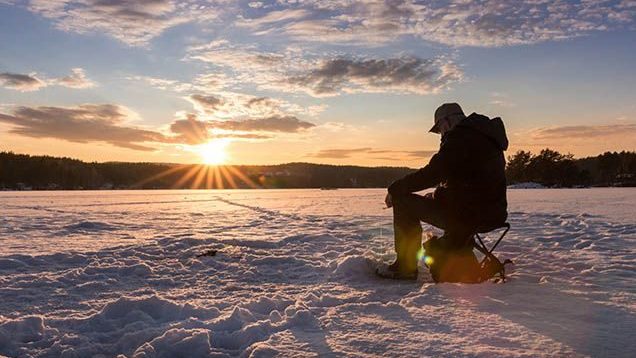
x: 324, y: 81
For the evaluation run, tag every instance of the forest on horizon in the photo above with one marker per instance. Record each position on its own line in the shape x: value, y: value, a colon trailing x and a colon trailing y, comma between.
x: 548, y: 167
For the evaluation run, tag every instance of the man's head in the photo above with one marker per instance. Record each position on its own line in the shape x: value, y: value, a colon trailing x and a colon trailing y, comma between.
x: 446, y: 117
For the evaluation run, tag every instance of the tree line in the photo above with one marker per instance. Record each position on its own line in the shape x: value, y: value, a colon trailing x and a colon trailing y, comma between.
x: 549, y: 168
x: 22, y: 171
x: 553, y: 169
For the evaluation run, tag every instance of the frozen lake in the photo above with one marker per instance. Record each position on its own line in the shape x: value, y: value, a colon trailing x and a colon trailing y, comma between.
x: 117, y: 272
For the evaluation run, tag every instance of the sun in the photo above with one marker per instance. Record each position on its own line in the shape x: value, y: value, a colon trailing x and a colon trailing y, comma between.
x: 213, y: 152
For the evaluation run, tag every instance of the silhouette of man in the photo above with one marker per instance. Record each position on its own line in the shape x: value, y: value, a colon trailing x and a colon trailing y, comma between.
x: 468, y: 173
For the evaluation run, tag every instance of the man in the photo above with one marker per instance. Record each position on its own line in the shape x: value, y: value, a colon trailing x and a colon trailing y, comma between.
x: 468, y: 172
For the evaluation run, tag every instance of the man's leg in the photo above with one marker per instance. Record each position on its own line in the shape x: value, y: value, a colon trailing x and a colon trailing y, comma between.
x: 458, y: 263
x: 408, y: 211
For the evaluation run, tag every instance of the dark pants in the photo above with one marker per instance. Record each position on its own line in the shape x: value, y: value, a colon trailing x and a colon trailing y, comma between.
x: 408, y: 211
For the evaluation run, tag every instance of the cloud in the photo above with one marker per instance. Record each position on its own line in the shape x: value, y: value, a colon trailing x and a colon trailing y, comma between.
x: 408, y: 153
x: 351, y: 22
x: 160, y: 83
x: 236, y: 115
x: 502, y: 23
x: 20, y: 82
x: 276, y: 17
x: 403, y: 75
x: 276, y: 123
x: 26, y: 83
x: 294, y: 72
x: 222, y: 54
x: 206, y: 103
x: 82, y: 124
x: 339, y: 153
x: 381, y: 21
x: 244, y: 63
x: 582, y: 140
x: 233, y: 105
x: 205, y: 82
x: 163, y: 83
x: 240, y: 136
x: 585, y: 131
x: 215, y: 81
x: 266, y: 106
x: 77, y: 79
x: 134, y: 22
x: 483, y: 23
x: 107, y: 123
x: 260, y: 102
x: 192, y: 130
x: 421, y: 153
x: 210, y: 98
x: 365, y: 151
x: 451, y: 22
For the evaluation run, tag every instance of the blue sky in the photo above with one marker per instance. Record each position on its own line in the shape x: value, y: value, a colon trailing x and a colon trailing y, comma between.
x: 345, y: 82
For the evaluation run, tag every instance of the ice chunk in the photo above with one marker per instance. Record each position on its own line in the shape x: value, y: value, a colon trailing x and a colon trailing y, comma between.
x: 177, y: 342
x: 127, y: 310
x: 84, y: 226
x: 355, y: 265
x: 24, y: 329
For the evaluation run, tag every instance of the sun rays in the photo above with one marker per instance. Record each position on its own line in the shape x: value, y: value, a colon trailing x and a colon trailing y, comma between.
x: 210, y: 174
x: 201, y: 176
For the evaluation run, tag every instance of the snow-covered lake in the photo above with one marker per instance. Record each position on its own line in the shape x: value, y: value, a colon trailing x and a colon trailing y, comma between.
x: 116, y: 272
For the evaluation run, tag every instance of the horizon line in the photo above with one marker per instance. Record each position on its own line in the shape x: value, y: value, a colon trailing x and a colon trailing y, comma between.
x: 269, y: 165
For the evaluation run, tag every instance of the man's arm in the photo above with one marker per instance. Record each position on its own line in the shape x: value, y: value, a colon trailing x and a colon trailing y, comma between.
x: 424, y: 178
x: 450, y: 152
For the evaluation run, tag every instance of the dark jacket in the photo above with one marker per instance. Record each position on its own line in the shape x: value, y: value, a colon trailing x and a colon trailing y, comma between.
x: 468, y: 171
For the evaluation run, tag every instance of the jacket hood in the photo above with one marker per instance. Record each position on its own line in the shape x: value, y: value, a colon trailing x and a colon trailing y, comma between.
x: 491, y: 128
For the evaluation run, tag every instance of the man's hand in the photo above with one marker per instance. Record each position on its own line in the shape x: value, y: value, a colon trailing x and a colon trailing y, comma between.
x: 388, y: 200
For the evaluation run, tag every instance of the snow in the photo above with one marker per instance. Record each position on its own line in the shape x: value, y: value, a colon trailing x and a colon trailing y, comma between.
x: 116, y: 273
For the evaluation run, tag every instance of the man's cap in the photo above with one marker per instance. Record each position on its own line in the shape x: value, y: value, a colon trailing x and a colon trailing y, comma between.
x: 446, y: 110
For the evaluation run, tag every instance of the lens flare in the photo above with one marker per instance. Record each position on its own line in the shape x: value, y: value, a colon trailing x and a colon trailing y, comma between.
x: 428, y: 260
x: 421, y: 256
